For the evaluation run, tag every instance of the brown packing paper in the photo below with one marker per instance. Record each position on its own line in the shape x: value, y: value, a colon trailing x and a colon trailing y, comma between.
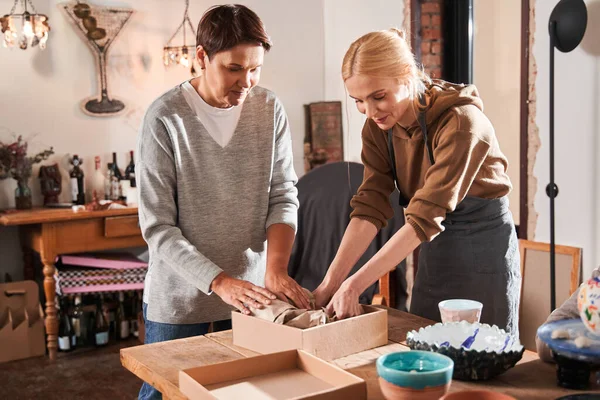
x: 284, y: 313
x: 21, y: 321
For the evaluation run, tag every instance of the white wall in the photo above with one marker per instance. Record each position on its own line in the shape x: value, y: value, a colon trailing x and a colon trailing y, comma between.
x: 497, y: 75
x: 51, y: 84
x: 577, y: 137
x: 41, y: 91
x: 345, y: 21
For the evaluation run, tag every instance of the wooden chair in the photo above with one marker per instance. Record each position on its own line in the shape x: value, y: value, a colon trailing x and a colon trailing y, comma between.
x: 387, y: 291
x: 534, y: 308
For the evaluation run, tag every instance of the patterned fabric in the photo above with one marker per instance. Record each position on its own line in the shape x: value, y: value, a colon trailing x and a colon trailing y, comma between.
x: 87, y: 276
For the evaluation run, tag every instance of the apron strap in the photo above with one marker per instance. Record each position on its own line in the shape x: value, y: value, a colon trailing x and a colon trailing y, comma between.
x: 402, y: 200
x: 424, y: 130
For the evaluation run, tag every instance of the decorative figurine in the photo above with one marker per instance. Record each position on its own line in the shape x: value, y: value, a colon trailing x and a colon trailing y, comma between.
x: 588, y: 304
x: 50, y: 181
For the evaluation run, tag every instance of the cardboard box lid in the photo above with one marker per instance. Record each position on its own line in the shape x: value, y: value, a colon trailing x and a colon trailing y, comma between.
x: 292, y: 374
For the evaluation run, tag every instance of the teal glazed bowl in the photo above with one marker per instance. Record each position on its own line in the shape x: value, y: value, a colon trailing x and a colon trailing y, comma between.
x: 416, y: 375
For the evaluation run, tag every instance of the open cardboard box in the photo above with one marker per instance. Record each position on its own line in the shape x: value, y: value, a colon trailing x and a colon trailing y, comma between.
x: 328, y: 342
x: 288, y: 375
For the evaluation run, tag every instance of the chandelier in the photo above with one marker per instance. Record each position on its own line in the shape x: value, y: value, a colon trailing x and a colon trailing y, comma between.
x: 34, y: 27
x: 184, y: 54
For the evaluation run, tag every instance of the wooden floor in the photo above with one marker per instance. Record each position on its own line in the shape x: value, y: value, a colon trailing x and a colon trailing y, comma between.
x: 87, y: 373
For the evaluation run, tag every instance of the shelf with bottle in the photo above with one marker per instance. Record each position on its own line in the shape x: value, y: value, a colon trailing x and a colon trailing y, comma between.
x: 112, y: 184
x: 88, y: 320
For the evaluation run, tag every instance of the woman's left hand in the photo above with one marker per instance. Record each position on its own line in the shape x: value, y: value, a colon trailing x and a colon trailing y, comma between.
x: 344, y: 303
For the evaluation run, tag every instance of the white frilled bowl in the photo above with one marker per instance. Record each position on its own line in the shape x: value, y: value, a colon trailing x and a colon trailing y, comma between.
x: 479, y: 351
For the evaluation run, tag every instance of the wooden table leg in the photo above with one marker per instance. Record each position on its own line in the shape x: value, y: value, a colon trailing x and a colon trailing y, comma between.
x: 51, y: 312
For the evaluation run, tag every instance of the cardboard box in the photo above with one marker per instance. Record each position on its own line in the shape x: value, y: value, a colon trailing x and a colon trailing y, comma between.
x: 21, y: 321
x: 328, y: 342
x: 292, y: 374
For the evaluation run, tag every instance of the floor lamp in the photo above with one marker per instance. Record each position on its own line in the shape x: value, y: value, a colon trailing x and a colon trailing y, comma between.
x: 566, y: 28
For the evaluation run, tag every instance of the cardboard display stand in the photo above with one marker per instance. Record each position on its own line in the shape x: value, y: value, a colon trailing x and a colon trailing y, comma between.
x: 21, y: 321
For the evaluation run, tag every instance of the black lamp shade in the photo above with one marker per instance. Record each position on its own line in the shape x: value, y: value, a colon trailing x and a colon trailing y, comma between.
x: 570, y: 22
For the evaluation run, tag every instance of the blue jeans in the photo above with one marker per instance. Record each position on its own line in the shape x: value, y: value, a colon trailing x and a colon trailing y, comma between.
x: 159, y: 332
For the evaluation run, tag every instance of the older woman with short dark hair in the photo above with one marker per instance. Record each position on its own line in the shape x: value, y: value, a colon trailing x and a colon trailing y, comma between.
x: 216, y: 185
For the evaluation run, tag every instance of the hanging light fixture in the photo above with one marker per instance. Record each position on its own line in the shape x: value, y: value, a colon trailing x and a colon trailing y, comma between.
x: 184, y: 54
x: 34, y: 27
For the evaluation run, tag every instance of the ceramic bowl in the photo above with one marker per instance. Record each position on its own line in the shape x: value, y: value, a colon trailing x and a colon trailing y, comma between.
x: 479, y: 351
x: 414, y: 375
x: 456, y: 310
x: 477, y: 395
x: 588, y: 304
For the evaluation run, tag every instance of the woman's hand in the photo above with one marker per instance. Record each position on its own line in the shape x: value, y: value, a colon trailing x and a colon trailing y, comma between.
x: 344, y: 303
x: 322, y: 296
x: 286, y: 288
x: 243, y: 295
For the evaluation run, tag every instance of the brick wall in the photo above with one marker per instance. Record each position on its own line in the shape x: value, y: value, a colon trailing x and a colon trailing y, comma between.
x: 431, y: 36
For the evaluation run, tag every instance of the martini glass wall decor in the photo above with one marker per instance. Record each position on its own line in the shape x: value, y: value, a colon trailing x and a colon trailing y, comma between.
x: 98, y: 26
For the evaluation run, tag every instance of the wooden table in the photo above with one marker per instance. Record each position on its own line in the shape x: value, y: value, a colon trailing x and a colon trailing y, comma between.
x: 159, y: 363
x: 52, y: 232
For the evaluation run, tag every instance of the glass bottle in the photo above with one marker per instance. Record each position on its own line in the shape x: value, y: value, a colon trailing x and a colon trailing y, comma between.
x: 100, y: 326
x: 66, y: 334
x: 76, y: 320
x: 123, y: 318
x: 130, y: 170
x: 98, y: 179
x: 77, y: 183
x: 115, y: 167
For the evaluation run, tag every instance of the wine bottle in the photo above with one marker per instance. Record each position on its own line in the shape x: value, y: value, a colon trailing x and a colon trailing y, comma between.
x: 77, y: 183
x: 115, y: 167
x: 98, y: 179
x: 108, y: 182
x: 123, y: 318
x: 134, y: 314
x: 130, y: 170
x: 100, y: 326
x: 76, y: 320
x: 66, y: 334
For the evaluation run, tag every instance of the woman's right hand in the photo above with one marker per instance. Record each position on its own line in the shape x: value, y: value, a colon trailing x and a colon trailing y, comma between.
x: 241, y: 294
x: 322, y: 296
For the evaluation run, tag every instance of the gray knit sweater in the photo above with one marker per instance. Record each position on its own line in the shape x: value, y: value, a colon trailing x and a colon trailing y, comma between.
x: 205, y: 209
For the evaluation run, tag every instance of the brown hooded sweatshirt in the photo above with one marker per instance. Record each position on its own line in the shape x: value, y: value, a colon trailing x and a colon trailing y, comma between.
x: 468, y: 161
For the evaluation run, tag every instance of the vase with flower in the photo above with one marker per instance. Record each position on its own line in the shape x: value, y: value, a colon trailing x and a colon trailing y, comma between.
x: 16, y: 164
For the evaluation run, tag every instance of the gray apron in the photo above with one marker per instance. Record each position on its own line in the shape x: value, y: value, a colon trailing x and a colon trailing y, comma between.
x: 476, y: 257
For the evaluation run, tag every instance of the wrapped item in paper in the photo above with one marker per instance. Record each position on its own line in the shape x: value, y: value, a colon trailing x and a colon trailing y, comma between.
x: 285, y: 313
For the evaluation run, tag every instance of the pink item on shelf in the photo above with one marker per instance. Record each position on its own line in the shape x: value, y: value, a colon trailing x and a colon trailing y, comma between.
x: 100, y: 272
x: 104, y: 260
x: 103, y: 288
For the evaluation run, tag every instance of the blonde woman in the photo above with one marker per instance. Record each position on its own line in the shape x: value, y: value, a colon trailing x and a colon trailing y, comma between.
x: 431, y: 140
